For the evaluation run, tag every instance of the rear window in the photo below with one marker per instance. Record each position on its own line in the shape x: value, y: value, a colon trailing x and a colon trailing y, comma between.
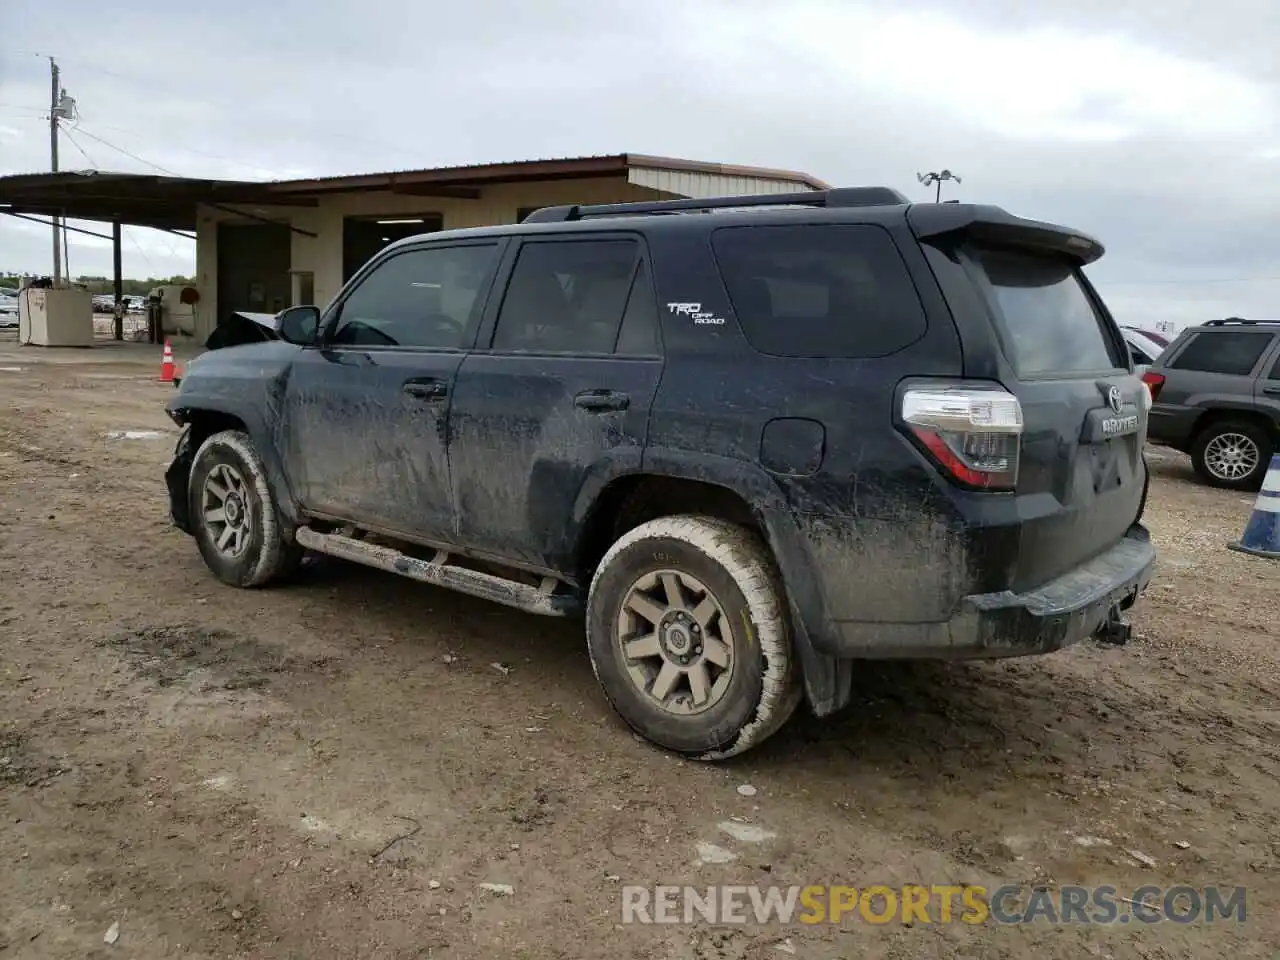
x: 1046, y: 322
x: 838, y: 291
x: 1236, y: 352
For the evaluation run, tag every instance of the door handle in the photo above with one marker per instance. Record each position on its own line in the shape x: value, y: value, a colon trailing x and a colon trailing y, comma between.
x: 426, y: 389
x: 1274, y: 391
x: 601, y: 401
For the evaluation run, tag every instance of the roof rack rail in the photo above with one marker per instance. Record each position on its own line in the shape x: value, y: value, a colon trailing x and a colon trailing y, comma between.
x: 838, y: 197
x: 1235, y: 320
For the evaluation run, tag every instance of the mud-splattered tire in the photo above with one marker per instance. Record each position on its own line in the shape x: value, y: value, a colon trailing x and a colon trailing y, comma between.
x: 688, y: 634
x: 233, y: 513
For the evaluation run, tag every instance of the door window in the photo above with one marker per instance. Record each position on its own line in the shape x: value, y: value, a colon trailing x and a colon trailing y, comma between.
x: 566, y: 296
x: 1235, y: 352
x: 639, y: 334
x: 426, y: 298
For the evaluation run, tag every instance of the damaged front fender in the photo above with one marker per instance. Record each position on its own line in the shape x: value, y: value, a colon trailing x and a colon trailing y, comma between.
x: 177, y: 478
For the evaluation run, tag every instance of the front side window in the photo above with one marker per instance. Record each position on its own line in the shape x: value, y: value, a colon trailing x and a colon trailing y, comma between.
x: 566, y: 296
x: 426, y: 298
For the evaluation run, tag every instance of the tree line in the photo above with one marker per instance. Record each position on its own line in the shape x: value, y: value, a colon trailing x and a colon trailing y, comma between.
x: 132, y: 287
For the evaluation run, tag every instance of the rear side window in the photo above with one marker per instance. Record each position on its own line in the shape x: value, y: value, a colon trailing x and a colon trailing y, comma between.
x: 1046, y: 322
x: 1236, y: 352
x: 819, y: 291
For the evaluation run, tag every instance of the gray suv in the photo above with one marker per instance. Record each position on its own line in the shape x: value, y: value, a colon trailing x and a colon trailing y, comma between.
x: 1216, y: 396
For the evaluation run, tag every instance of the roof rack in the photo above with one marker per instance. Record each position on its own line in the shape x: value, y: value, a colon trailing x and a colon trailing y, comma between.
x: 839, y: 197
x: 1232, y: 321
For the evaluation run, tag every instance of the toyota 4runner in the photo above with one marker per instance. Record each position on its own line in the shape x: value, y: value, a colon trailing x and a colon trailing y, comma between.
x: 750, y: 440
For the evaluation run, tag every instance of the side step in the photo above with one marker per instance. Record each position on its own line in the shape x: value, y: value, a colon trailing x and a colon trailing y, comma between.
x: 541, y: 600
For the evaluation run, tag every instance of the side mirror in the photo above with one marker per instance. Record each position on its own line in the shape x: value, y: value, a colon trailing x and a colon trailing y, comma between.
x: 299, y: 325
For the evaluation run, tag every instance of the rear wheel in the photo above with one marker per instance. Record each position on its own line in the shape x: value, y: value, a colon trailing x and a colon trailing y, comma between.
x: 688, y: 636
x: 233, y: 513
x: 1232, y: 454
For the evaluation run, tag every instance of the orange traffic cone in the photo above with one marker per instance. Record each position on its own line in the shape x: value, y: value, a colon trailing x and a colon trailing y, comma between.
x: 166, y: 364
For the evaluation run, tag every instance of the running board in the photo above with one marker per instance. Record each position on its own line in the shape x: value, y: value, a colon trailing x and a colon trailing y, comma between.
x: 438, y: 571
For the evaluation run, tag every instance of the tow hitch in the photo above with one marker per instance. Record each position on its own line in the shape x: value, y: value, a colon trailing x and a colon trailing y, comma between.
x: 1115, y: 631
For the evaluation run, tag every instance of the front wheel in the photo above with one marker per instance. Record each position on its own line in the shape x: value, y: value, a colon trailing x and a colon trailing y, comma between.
x: 688, y: 635
x: 1232, y: 453
x: 233, y: 514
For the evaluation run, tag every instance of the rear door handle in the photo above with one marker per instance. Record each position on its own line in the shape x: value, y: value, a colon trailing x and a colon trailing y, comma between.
x: 428, y: 388
x: 601, y: 401
x: 1271, y: 390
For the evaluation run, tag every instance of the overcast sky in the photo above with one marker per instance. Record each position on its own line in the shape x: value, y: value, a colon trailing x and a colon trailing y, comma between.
x: 1153, y: 125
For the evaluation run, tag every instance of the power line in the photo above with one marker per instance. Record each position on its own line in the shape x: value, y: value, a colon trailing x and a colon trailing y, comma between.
x: 136, y: 246
x: 84, y: 153
x: 173, y: 253
x: 237, y: 108
x: 1186, y: 281
x: 132, y: 156
x: 184, y: 149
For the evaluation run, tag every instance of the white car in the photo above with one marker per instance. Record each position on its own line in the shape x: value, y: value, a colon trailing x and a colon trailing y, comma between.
x: 1144, y: 347
x: 8, y: 311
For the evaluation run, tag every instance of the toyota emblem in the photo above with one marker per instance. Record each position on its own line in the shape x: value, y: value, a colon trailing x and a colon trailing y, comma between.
x: 1115, y: 399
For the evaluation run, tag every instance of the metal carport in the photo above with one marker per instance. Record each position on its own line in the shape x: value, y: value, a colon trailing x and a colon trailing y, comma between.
x: 133, y: 199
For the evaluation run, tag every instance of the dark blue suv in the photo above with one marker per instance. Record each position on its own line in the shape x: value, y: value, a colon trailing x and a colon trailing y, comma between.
x: 750, y: 440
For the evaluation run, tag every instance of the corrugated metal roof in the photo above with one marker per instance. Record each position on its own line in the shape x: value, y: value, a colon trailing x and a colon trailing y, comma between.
x: 170, y: 202
x: 558, y: 168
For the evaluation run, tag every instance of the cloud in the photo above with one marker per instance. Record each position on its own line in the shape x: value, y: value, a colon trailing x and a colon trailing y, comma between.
x: 1151, y: 125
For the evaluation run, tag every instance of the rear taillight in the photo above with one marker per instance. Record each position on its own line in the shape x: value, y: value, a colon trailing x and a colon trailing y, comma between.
x: 1154, y: 382
x: 974, y: 434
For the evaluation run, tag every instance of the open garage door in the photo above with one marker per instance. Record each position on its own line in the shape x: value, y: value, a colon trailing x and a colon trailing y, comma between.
x: 362, y: 237
x: 253, y: 268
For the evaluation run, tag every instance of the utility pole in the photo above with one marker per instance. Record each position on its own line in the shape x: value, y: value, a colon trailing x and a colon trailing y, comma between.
x: 932, y: 178
x: 53, y: 156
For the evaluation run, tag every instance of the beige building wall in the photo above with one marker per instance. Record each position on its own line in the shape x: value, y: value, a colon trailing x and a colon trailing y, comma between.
x: 321, y: 256
x: 700, y: 185
x: 316, y: 261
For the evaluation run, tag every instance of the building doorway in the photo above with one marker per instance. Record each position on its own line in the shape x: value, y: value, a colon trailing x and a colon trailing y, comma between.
x: 363, y: 237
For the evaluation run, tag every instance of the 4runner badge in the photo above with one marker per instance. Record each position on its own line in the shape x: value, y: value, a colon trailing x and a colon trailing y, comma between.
x: 696, y: 313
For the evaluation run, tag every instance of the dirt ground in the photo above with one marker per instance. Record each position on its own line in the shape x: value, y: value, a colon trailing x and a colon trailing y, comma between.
x: 226, y: 773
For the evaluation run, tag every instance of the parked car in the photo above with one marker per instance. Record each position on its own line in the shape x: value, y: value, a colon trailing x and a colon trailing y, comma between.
x: 1144, y: 347
x: 1159, y: 338
x: 750, y: 447
x: 8, y: 310
x: 1216, y: 396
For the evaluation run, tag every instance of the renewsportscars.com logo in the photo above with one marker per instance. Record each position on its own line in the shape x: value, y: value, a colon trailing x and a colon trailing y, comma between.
x: 932, y: 904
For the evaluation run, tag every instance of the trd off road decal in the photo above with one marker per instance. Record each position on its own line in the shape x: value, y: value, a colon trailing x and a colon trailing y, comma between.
x: 696, y: 313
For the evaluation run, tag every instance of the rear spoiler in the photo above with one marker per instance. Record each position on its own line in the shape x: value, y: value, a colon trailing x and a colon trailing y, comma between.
x: 930, y: 221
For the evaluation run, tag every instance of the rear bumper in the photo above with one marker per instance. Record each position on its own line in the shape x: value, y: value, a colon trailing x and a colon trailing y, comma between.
x: 1171, y: 426
x: 1057, y: 614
